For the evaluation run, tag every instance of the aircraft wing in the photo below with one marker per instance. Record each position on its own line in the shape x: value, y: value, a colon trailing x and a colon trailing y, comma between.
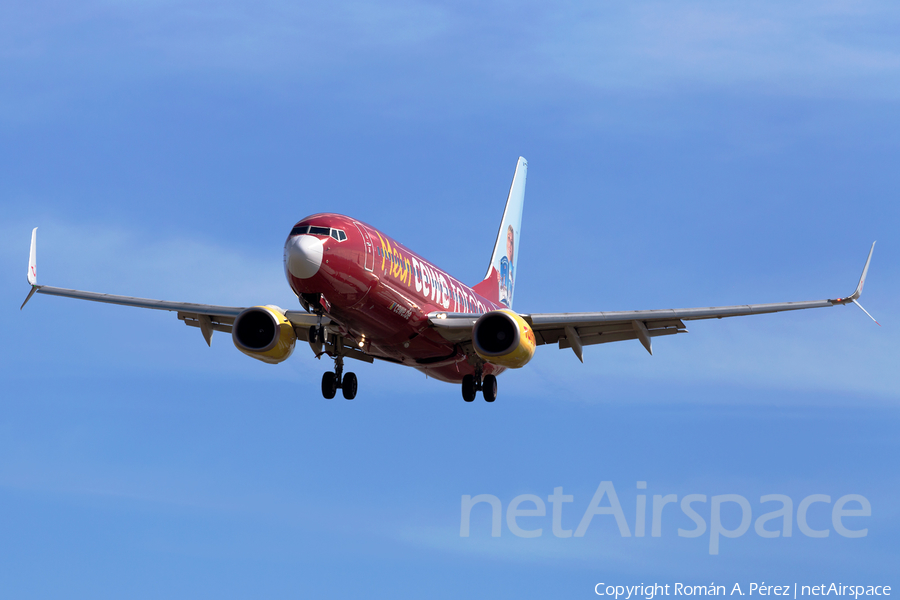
x: 576, y: 330
x: 207, y: 317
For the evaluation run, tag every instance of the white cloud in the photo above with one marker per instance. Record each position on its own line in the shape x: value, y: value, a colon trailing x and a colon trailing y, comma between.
x: 773, y: 47
x: 474, y: 54
x: 224, y: 35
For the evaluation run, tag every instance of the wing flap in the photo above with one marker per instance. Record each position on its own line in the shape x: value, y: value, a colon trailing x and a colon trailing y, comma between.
x: 620, y: 336
x: 217, y: 323
x: 550, y: 335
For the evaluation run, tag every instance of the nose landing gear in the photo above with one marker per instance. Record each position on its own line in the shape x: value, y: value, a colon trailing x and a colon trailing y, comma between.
x: 472, y: 384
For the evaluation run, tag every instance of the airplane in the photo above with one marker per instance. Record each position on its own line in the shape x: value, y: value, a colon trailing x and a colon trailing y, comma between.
x: 366, y: 296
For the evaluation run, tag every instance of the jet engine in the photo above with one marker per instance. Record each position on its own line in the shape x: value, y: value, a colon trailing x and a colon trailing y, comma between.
x: 264, y: 333
x: 503, y: 338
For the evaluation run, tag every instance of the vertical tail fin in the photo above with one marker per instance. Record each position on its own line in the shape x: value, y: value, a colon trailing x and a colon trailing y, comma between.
x: 499, y: 283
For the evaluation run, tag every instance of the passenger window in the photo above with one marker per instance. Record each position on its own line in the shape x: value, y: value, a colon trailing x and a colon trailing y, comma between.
x: 300, y: 230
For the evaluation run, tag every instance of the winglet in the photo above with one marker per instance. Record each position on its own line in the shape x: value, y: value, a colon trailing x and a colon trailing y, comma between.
x: 32, y: 267
x: 854, y: 297
x: 856, y: 302
x: 862, y: 278
x: 32, y: 259
x: 859, y: 287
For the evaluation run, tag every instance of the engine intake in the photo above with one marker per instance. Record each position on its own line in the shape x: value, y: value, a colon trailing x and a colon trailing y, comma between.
x: 501, y: 337
x: 264, y: 333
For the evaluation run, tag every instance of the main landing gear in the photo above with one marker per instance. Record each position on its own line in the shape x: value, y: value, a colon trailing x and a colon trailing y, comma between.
x: 472, y: 384
x: 338, y: 380
x: 332, y: 382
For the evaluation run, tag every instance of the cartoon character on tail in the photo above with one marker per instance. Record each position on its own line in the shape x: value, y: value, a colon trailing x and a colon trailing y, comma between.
x: 505, y: 276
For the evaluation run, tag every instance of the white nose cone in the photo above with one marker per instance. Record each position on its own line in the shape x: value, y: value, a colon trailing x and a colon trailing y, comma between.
x: 304, y: 256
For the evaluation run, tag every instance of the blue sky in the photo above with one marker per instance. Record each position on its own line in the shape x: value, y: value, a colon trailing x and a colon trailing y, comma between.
x: 680, y: 154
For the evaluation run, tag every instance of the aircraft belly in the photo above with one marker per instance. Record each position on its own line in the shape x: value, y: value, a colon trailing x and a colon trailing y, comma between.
x: 455, y: 373
x: 397, y: 327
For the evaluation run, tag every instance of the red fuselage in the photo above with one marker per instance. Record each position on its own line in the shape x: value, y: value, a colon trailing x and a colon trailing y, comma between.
x: 380, y: 293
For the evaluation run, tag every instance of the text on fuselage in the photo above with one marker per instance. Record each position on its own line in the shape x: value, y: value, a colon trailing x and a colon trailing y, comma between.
x: 442, y: 289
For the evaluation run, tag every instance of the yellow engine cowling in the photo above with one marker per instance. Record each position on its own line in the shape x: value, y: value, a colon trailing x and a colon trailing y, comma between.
x: 503, y: 338
x: 264, y: 333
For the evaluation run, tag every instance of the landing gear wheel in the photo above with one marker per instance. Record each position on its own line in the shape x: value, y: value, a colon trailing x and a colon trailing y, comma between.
x: 468, y: 388
x: 329, y: 385
x: 348, y: 386
x: 489, y: 388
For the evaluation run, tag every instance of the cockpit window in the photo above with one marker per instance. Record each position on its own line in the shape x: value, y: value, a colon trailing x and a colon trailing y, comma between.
x: 337, y: 234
